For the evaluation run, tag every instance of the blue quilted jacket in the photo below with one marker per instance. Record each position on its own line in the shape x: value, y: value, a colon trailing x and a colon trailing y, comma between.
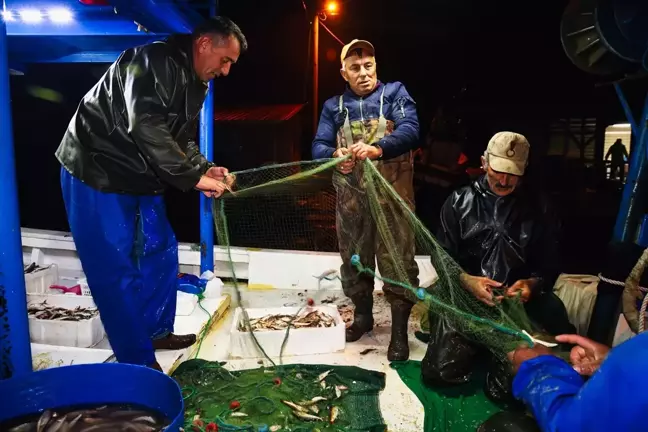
x: 398, y: 106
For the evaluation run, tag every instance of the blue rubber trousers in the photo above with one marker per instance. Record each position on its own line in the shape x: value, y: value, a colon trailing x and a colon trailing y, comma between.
x: 129, y: 255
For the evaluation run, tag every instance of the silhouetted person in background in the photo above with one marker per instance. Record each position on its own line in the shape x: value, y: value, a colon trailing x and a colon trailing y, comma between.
x: 619, y: 157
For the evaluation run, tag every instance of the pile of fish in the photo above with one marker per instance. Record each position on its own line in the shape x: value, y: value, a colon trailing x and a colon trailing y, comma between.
x: 46, y: 312
x: 312, y: 319
x: 310, y: 411
x: 117, y: 418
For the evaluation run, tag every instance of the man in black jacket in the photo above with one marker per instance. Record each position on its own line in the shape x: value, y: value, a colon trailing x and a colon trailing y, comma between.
x: 132, y: 136
x: 505, y: 238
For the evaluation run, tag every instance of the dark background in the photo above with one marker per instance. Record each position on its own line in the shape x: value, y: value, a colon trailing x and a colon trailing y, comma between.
x: 506, y: 55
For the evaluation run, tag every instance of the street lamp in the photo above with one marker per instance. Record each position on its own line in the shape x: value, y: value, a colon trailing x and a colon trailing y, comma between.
x: 331, y: 8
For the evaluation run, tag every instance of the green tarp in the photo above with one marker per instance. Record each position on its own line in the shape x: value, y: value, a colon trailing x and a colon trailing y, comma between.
x: 456, y: 409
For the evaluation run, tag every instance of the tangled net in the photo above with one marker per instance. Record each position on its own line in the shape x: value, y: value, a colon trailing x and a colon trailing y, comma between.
x: 294, y: 207
x: 334, y: 398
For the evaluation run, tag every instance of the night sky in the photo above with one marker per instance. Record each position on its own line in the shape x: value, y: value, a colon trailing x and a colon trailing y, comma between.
x: 506, y: 54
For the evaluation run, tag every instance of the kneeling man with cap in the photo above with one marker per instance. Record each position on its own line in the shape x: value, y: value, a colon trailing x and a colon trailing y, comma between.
x: 505, y: 238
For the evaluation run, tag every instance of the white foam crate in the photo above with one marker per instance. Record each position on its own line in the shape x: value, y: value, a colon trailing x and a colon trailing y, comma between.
x: 81, y: 334
x: 40, y: 281
x: 302, y: 341
x: 85, y: 289
x: 50, y: 356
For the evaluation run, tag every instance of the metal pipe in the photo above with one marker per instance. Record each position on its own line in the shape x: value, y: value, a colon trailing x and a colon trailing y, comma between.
x: 207, y: 149
x: 626, y: 109
x: 15, y: 348
x: 633, y: 199
x: 315, y: 72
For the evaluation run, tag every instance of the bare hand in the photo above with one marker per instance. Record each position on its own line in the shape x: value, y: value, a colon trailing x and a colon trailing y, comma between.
x: 364, y: 151
x: 212, y: 188
x: 523, y: 287
x: 587, y: 356
x: 481, y: 287
x: 347, y: 166
x: 524, y: 353
x: 217, y: 173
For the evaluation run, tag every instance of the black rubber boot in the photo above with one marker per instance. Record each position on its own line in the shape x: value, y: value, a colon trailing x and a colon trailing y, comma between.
x: 362, y: 318
x: 399, y: 345
x: 174, y: 342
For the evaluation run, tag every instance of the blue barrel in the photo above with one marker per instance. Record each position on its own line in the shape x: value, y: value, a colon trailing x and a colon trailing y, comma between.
x: 92, y: 384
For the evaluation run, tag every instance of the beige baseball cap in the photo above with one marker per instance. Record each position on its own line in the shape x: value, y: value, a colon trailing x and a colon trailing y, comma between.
x: 356, y: 44
x: 508, y: 152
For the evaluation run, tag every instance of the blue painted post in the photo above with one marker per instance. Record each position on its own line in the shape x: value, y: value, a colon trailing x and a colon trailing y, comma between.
x: 207, y: 149
x: 631, y: 208
x: 15, y: 350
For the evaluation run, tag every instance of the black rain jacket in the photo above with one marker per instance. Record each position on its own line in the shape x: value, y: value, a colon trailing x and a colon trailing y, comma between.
x: 503, y: 238
x: 134, y: 131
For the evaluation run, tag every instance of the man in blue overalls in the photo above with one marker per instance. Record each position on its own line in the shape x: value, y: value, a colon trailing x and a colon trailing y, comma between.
x: 375, y: 121
x: 133, y: 136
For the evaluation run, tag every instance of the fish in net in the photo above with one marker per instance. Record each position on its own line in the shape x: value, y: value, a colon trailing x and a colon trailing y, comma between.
x: 288, y: 398
x: 296, y: 206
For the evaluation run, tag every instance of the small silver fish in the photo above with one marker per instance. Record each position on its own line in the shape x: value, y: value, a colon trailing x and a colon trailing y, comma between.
x: 298, y: 376
x: 314, y: 408
x: 238, y: 414
x: 294, y: 406
x: 312, y: 401
x: 323, y: 384
x: 26, y: 427
x: 304, y: 416
x: 57, y: 425
x: 338, y: 392
x: 323, y: 375
x: 335, y: 412
x: 275, y: 428
x: 145, y: 419
x: 43, y: 421
x: 73, y: 421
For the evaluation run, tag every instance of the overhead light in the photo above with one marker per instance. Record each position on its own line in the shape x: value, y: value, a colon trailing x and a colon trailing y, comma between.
x: 7, y: 16
x: 59, y: 15
x: 31, y: 15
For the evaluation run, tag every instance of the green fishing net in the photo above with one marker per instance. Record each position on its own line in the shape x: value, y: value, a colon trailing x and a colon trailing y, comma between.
x: 310, y: 206
x: 252, y: 400
x: 305, y: 205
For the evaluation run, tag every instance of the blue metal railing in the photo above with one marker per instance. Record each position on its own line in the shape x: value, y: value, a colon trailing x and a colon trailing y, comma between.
x: 632, y: 207
x: 207, y: 149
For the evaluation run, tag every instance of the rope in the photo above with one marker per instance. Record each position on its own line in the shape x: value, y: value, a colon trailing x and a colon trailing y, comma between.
x: 632, y: 293
x: 619, y: 283
x: 644, y: 304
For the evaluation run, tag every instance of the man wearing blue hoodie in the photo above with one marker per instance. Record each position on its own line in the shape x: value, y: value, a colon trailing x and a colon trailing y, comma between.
x: 375, y: 121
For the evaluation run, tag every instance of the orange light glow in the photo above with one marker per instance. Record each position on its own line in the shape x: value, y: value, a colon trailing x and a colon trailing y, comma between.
x: 332, y: 7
